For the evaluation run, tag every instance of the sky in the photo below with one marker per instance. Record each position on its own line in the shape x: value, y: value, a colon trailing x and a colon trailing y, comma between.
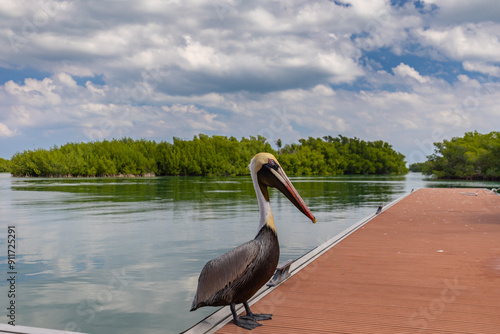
x: 407, y: 72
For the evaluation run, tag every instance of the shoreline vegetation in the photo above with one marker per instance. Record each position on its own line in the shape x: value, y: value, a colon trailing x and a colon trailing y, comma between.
x: 474, y: 156
x: 4, y: 165
x: 206, y: 156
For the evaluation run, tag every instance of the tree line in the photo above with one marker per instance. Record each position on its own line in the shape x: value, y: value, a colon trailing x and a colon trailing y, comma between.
x: 341, y: 155
x: 473, y: 156
x: 4, y: 165
x: 208, y: 155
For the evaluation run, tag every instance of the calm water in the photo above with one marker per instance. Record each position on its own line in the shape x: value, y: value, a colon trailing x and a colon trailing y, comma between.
x: 113, y: 255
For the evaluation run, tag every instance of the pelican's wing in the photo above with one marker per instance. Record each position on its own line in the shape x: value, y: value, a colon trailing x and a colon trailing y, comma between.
x: 222, y: 271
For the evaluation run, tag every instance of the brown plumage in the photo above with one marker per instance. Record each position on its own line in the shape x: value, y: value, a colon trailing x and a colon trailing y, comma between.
x: 235, y: 276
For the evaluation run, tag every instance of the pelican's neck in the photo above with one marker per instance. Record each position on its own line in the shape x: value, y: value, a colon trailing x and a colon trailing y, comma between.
x: 266, y: 214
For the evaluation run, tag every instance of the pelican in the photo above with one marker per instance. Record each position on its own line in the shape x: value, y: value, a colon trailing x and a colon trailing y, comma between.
x: 235, y: 276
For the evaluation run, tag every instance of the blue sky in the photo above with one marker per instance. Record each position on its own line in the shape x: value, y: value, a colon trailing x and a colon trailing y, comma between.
x: 408, y: 72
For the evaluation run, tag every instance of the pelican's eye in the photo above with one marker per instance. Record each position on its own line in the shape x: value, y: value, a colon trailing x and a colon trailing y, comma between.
x: 271, y: 163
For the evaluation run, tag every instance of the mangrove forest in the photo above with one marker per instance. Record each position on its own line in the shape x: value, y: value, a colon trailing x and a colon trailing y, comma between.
x: 4, y: 165
x: 473, y: 156
x: 208, y: 155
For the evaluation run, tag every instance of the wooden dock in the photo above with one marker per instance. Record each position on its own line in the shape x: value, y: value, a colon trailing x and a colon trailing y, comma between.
x: 428, y: 264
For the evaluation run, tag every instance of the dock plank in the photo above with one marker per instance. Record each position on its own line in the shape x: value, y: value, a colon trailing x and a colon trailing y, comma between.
x: 429, y: 264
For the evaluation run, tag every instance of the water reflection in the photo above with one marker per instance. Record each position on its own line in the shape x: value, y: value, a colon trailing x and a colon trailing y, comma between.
x: 123, y: 255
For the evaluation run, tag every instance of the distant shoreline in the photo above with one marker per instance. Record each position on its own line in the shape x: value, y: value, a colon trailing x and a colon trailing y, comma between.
x: 151, y: 175
x: 207, y: 156
x: 69, y: 176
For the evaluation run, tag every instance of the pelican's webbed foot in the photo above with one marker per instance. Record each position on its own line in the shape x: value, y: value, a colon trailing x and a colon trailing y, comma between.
x: 255, y: 316
x: 244, y: 321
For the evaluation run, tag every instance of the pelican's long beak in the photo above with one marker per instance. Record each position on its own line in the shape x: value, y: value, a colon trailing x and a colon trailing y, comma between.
x: 276, y: 178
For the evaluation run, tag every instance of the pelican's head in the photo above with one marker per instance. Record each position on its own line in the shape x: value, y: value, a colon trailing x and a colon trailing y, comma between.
x: 266, y: 169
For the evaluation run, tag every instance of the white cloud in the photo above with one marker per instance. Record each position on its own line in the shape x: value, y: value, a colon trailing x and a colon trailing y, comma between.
x: 20, y: 116
x: 34, y: 92
x: 195, y: 118
x: 482, y: 68
x: 459, y: 11
x: 369, y: 8
x: 12, y: 8
x: 198, y: 56
x: 389, y: 28
x: 404, y: 70
x: 480, y: 42
x: 66, y: 79
x: 5, y: 131
x: 342, y: 69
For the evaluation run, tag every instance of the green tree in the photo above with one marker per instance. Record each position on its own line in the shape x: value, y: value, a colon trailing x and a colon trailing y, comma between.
x: 4, y: 165
x: 473, y: 156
